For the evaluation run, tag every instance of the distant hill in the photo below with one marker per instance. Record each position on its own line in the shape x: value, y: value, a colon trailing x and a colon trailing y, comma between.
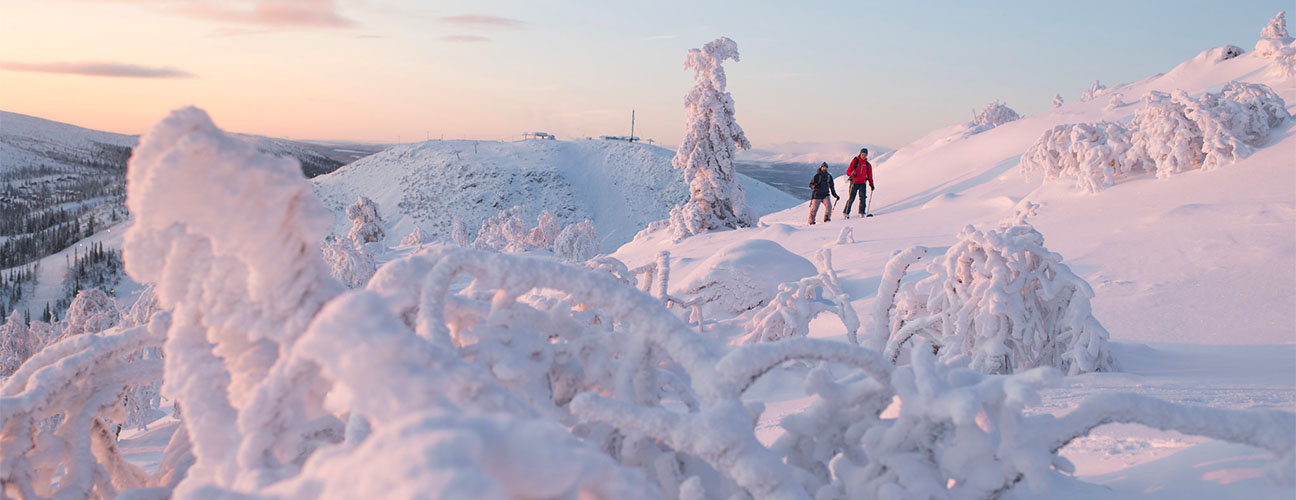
x: 620, y: 186
x: 60, y: 182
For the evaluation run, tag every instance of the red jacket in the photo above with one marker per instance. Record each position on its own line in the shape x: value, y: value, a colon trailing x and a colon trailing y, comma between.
x: 860, y: 172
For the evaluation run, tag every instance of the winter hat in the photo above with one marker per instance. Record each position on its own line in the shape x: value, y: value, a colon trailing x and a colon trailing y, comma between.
x: 824, y: 165
x: 863, y: 150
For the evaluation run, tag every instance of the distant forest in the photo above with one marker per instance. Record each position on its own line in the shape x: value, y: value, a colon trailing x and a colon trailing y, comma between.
x: 68, y: 194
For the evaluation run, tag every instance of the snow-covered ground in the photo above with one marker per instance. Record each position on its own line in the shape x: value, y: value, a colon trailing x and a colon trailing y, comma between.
x: 1194, y: 275
x: 1194, y: 278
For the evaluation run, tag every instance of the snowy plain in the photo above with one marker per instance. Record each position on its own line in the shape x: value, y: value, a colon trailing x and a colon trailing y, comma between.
x: 1194, y: 275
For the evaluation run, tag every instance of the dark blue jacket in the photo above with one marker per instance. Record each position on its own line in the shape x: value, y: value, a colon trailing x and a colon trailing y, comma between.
x: 822, y: 184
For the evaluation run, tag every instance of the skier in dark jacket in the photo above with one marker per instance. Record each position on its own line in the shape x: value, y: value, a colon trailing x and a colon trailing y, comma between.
x: 822, y: 185
x: 860, y: 173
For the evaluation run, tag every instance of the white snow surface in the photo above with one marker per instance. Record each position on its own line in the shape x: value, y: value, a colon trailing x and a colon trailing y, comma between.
x: 620, y: 186
x: 1194, y: 275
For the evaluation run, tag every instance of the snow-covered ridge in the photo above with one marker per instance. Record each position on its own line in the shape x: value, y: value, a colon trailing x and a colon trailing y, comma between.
x: 619, y: 186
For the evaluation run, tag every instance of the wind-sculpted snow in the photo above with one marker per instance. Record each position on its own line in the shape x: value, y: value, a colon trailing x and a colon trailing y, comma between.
x: 745, y: 275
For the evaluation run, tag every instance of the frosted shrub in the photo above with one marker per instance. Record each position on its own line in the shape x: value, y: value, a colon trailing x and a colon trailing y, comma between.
x: 414, y: 238
x: 789, y: 313
x: 1116, y: 101
x: 1091, y: 153
x: 55, y: 410
x: 1169, y: 134
x: 993, y: 115
x: 506, y: 232
x: 1176, y: 133
x: 546, y: 231
x: 706, y: 155
x: 1057, y: 101
x: 577, y: 242
x: 1005, y: 302
x: 1093, y: 91
x: 1165, y: 139
x: 366, y: 224
x: 16, y: 344
x: 351, y: 264
x: 1274, y: 39
x: 91, y: 311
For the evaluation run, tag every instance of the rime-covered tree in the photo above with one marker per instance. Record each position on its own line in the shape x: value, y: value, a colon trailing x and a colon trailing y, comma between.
x: 1094, y: 154
x: 1003, y: 301
x: 16, y: 344
x: 711, y: 139
x: 91, y: 311
x: 1057, y: 100
x: 366, y: 224
x: 577, y: 242
x: 1093, y: 91
x: 1277, y: 28
x: 993, y: 115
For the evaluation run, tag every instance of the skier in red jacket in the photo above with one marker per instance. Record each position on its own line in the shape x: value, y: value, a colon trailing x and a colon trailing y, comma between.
x: 860, y: 172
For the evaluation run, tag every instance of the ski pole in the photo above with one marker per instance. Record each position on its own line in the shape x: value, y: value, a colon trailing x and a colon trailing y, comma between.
x: 869, y: 203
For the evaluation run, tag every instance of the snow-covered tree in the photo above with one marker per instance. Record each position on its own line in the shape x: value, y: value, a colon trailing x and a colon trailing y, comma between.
x: 1277, y: 28
x: 1174, y: 133
x: 16, y: 344
x: 1164, y: 137
x: 993, y: 115
x: 91, y: 311
x: 1093, y: 91
x: 1057, y: 101
x: 1007, y: 304
x: 366, y: 224
x: 459, y: 234
x: 706, y: 155
x: 577, y: 242
x: 414, y: 238
x: 1117, y: 100
x: 546, y: 231
x: 1094, y: 154
x: 349, y: 263
x: 1169, y: 134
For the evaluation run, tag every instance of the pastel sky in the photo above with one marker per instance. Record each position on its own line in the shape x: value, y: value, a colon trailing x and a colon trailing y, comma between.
x: 386, y: 70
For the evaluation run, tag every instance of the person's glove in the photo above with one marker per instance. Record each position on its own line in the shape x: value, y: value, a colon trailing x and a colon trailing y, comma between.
x: 835, y: 197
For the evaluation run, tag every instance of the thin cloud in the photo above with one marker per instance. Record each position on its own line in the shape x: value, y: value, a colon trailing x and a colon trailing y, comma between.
x: 662, y: 37
x: 482, y: 20
x: 465, y: 38
x: 119, y: 70
x: 270, y: 13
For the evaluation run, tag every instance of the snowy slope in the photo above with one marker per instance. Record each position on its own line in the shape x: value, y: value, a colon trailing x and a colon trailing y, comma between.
x: 27, y: 141
x: 620, y: 186
x: 1202, y: 258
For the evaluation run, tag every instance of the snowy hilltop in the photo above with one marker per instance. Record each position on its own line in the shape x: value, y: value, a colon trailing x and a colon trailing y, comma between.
x: 619, y: 186
x: 1090, y: 302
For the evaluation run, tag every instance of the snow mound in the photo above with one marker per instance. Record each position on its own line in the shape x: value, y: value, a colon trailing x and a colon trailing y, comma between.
x: 745, y: 275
